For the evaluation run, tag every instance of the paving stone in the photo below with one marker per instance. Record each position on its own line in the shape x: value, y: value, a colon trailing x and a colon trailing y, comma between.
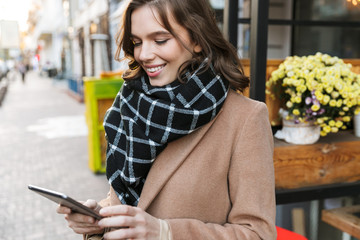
x: 59, y: 162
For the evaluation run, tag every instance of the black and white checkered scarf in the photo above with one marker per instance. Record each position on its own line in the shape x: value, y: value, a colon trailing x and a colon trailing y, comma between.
x: 143, y: 119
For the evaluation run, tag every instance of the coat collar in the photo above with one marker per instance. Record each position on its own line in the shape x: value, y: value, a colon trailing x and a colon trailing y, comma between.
x: 168, y: 162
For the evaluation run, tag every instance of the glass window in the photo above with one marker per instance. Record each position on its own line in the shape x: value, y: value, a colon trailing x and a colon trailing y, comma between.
x: 280, y: 9
x: 336, y: 41
x: 334, y: 10
x: 244, y: 40
x: 341, y: 41
x: 279, y: 41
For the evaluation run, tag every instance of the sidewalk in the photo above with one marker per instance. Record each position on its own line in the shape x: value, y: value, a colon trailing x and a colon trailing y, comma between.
x: 43, y: 141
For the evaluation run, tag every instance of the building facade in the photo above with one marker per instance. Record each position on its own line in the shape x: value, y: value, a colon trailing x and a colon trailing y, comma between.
x: 78, y: 36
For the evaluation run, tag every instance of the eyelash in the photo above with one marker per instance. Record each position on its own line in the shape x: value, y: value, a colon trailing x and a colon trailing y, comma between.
x: 158, y: 42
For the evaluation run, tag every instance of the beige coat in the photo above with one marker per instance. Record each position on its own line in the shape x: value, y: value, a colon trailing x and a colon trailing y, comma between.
x: 217, y: 182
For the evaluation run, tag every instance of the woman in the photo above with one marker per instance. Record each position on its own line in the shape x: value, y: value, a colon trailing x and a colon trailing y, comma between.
x: 188, y: 157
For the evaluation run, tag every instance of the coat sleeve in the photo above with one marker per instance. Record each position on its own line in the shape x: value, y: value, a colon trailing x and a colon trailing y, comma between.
x: 251, y: 188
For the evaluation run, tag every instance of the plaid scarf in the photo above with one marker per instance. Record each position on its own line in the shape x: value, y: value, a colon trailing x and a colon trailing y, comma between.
x: 143, y: 119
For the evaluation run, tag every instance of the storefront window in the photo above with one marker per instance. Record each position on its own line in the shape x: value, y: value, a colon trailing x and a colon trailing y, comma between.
x: 334, y: 10
x: 337, y: 35
x: 337, y: 41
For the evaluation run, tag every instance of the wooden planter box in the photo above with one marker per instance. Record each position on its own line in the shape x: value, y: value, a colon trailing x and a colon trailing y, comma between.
x: 334, y: 159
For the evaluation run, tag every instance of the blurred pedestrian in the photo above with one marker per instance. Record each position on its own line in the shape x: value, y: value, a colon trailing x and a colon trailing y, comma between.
x: 188, y: 156
x: 23, y: 70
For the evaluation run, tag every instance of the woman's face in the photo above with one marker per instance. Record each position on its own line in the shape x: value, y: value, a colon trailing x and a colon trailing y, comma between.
x: 158, y: 52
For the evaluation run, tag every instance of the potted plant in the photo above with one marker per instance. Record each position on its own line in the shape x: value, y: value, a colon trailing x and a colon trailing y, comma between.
x: 318, y: 90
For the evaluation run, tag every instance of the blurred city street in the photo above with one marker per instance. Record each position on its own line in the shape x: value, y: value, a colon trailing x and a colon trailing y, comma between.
x: 43, y: 141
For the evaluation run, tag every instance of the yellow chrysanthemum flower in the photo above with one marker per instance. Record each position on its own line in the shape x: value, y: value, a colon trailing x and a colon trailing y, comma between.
x: 338, y: 85
x: 335, y: 94
x: 334, y: 129
x: 346, y: 119
x: 339, y: 124
x: 320, y: 121
x: 296, y: 112
x: 301, y: 88
x: 327, y: 129
x: 332, y: 123
x: 315, y: 108
x: 289, y: 104
x: 339, y: 103
x: 326, y: 99
x: 329, y: 89
x: 298, y: 99
x: 332, y: 103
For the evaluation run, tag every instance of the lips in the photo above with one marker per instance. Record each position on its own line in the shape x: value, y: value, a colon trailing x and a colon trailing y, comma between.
x: 153, y: 71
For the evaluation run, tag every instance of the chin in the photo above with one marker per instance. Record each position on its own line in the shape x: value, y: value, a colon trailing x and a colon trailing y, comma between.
x: 158, y: 83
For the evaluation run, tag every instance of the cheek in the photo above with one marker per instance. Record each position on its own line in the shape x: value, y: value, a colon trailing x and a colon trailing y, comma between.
x: 180, y: 54
x: 136, y: 54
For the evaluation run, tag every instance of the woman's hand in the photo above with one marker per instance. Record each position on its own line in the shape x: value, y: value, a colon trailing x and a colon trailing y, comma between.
x: 130, y: 223
x: 80, y: 223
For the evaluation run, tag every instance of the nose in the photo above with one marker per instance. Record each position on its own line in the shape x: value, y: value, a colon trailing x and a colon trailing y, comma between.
x: 146, y: 52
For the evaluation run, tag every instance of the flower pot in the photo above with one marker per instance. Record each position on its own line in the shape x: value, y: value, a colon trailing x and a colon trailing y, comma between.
x: 357, y: 125
x: 299, y: 133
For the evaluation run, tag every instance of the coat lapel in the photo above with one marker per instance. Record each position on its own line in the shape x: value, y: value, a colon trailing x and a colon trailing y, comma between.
x: 168, y: 162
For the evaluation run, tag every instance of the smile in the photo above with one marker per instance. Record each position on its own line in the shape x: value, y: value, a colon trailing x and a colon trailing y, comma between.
x: 155, y: 69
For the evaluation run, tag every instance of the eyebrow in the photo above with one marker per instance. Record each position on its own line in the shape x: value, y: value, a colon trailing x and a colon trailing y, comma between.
x: 154, y: 34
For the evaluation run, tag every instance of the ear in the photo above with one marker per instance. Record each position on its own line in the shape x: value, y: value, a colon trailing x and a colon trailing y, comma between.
x: 197, y: 48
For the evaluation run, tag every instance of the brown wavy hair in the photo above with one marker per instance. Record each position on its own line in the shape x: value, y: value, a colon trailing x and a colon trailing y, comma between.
x: 198, y: 18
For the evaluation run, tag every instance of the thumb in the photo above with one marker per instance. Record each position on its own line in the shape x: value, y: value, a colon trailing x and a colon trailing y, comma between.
x: 92, y: 204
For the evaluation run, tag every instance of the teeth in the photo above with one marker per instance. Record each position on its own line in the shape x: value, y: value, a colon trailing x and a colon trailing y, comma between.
x: 154, y: 69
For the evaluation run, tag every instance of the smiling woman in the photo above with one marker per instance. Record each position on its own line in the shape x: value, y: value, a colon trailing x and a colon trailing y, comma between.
x: 158, y: 52
x: 178, y: 159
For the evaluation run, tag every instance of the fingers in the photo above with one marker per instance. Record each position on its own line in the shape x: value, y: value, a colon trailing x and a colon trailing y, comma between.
x: 83, y: 224
x: 63, y: 210
x: 91, y: 203
x: 124, y: 233
x: 80, y: 218
x: 119, y: 210
x: 80, y: 223
x: 132, y: 223
x: 118, y: 221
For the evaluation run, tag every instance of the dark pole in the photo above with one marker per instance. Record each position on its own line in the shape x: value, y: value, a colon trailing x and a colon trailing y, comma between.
x: 258, y: 48
x: 233, y: 22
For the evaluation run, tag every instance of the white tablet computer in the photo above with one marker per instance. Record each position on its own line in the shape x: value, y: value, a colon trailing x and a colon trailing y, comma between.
x: 66, y: 201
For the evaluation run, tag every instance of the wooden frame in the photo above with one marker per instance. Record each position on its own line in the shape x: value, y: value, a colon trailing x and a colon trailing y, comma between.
x: 344, y: 219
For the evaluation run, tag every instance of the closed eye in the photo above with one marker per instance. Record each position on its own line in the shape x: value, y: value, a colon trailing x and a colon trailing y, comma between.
x: 160, y: 42
x: 136, y: 43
